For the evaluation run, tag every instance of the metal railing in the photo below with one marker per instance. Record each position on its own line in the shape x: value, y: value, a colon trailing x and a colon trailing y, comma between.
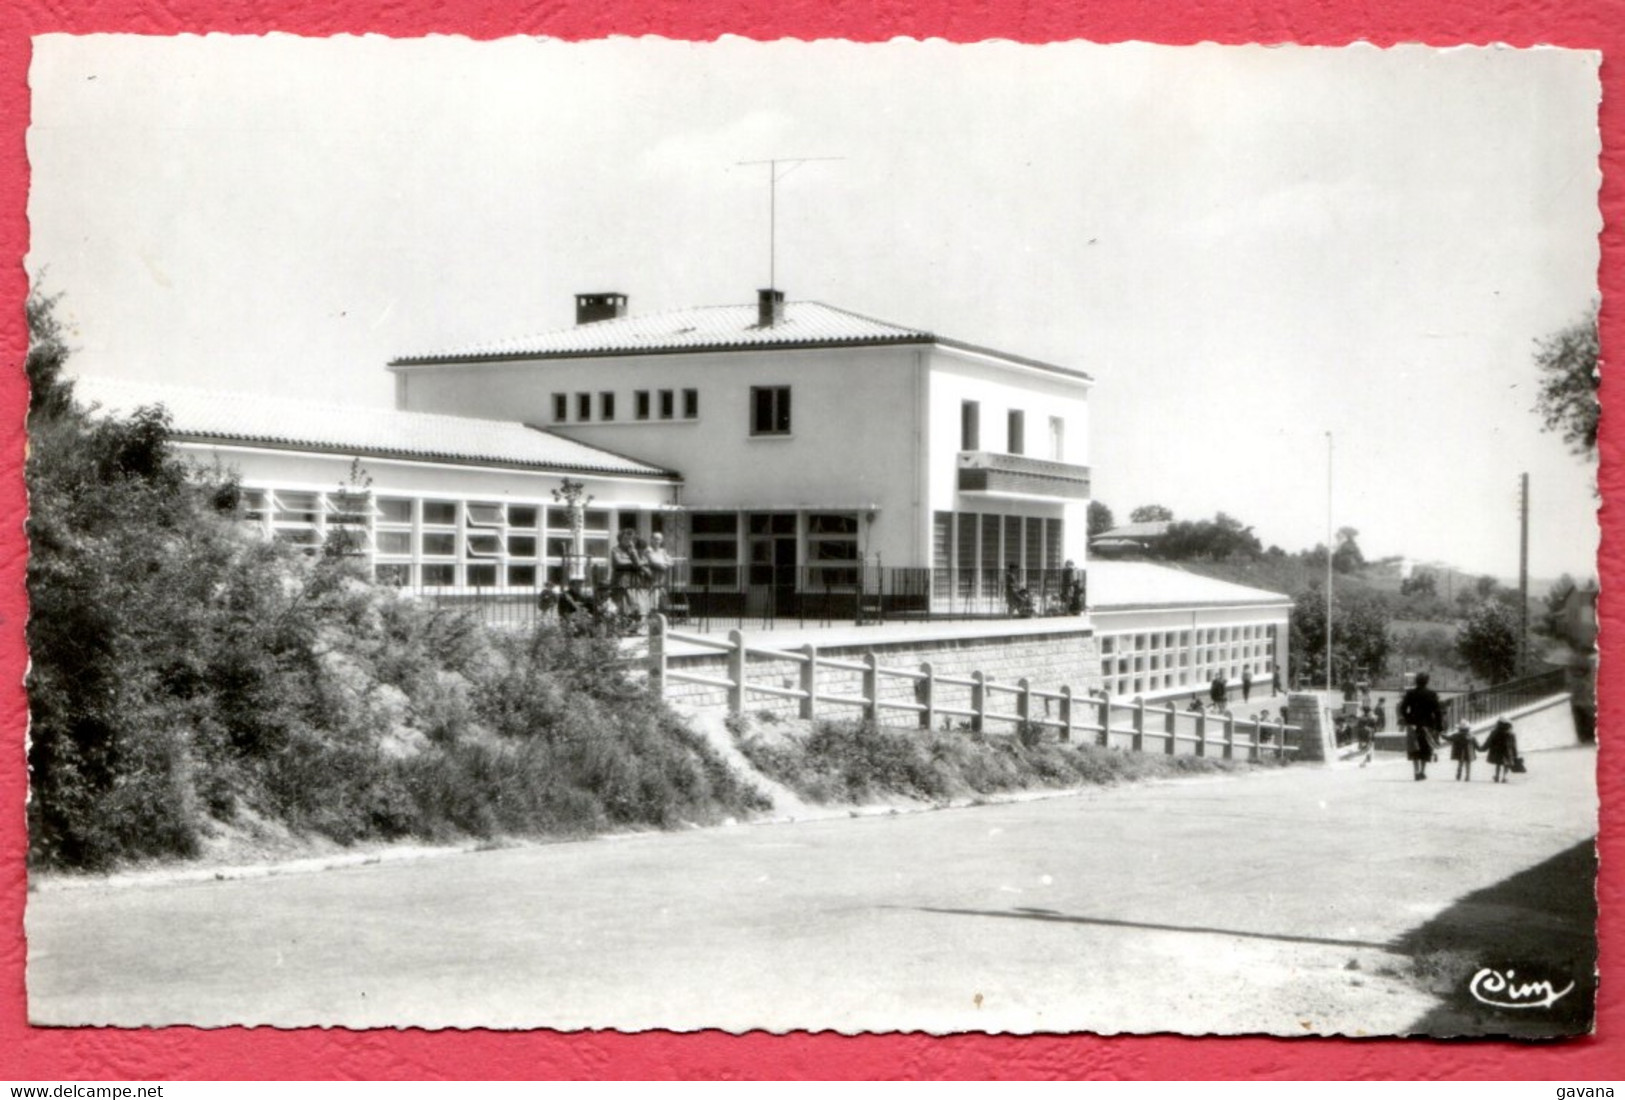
x: 976, y: 699
x: 710, y: 596
x: 1483, y: 703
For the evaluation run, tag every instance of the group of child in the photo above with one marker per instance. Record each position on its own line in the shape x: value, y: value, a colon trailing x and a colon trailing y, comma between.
x: 1500, y: 749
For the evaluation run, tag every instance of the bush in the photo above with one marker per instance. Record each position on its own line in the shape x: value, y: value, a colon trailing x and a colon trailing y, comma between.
x: 184, y: 670
x: 854, y: 762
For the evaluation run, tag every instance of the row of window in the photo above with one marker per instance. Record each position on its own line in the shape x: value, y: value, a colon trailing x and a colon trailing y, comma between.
x: 646, y: 405
x: 977, y: 546
x: 419, y: 541
x: 1135, y: 664
x: 1015, y: 431
x: 769, y: 407
x: 769, y: 540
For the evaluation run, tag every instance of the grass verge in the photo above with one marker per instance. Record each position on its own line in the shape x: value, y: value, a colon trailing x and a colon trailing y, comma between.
x: 855, y: 762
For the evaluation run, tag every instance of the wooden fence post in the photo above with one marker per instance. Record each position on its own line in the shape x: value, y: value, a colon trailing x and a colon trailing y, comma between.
x: 1138, y: 744
x: 809, y: 682
x: 871, y: 687
x: 1229, y: 737
x: 657, y: 654
x: 1105, y: 720
x: 1258, y: 739
x: 736, y: 672
x: 1170, y: 726
x: 1201, y: 733
x: 978, y: 700
x: 1024, y: 704
x: 926, y: 693
x: 1066, y: 713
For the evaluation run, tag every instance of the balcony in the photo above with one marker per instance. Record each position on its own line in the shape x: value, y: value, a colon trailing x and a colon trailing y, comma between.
x: 1019, y: 476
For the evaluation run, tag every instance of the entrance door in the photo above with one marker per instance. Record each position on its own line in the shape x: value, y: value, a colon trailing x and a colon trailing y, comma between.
x: 771, y: 578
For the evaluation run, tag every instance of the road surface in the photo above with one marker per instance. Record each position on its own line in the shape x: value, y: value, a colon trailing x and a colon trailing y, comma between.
x: 1308, y: 900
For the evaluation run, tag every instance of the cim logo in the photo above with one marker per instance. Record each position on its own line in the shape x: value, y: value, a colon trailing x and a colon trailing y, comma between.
x: 1499, y: 990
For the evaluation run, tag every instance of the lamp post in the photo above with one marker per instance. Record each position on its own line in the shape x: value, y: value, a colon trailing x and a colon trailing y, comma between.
x: 1328, y: 564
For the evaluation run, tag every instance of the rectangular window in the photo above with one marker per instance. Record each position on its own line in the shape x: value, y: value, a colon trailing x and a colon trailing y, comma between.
x: 522, y: 576
x: 440, y: 512
x: 1057, y: 439
x: 942, y: 524
x: 394, y: 510
x: 1012, y: 541
x: 691, y: 404
x: 714, y: 549
x: 522, y: 515
x: 522, y: 546
x: 583, y: 406
x: 992, y: 565
x: 1033, y: 559
x: 439, y: 544
x: 965, y: 553
x: 1016, y: 435
x: 439, y: 574
x: 668, y: 405
x: 770, y: 410
x: 1052, y: 544
x: 394, y: 542
x: 561, y: 408
x: 606, y: 406
x: 482, y: 576
x: 832, y: 549
x: 640, y: 404
x: 970, y: 425
x: 484, y: 515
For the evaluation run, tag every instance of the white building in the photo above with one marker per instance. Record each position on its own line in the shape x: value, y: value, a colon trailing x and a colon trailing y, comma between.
x: 791, y: 453
x: 809, y: 438
x: 438, y: 502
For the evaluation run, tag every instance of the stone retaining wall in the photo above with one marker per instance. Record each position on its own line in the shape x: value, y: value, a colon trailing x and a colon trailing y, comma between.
x: 1048, y: 661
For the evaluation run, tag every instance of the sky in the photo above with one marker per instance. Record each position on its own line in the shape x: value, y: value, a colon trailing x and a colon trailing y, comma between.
x: 1246, y: 247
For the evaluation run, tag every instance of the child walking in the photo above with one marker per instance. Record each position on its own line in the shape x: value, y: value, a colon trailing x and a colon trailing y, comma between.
x: 1501, y: 750
x: 1463, y: 750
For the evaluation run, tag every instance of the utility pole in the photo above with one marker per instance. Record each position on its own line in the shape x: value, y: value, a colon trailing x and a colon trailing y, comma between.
x: 1523, y: 575
x: 1328, y: 563
x: 773, y: 178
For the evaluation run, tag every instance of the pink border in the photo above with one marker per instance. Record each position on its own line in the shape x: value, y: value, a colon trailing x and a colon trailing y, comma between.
x: 181, y: 1053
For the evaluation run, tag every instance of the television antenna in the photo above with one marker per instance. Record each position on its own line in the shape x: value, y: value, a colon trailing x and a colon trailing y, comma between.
x: 773, y: 178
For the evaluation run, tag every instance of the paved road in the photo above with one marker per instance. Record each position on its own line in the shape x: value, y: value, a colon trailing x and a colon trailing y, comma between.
x: 1274, y: 902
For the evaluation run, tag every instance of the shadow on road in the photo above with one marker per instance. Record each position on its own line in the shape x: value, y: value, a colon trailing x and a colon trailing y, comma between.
x: 1539, y: 926
x: 1519, y: 944
x: 1104, y: 922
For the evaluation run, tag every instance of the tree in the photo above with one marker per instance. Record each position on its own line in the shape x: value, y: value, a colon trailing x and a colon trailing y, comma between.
x: 1100, y: 518
x: 1567, y: 399
x: 1347, y: 557
x: 1216, y: 539
x: 1151, y: 513
x: 1419, y: 584
x: 1360, y: 642
x: 1488, y: 642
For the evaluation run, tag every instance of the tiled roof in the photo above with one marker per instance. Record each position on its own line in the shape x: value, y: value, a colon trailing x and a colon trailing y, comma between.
x: 198, y: 414
x: 1126, y: 585
x: 709, y: 328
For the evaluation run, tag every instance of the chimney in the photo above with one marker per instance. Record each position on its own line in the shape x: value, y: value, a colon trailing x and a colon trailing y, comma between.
x: 769, y: 307
x: 599, y: 307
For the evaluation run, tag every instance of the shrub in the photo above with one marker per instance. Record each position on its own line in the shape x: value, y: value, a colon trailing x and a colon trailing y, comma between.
x: 184, y: 670
x: 850, y: 762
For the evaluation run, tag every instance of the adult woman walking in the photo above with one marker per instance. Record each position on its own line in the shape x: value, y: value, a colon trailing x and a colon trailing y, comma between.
x: 1423, y: 719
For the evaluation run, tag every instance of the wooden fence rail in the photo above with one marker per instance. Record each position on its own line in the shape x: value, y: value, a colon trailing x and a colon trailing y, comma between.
x: 976, y: 699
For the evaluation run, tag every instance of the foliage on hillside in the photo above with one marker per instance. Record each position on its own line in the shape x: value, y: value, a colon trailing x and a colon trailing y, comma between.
x: 856, y: 762
x: 187, y: 675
